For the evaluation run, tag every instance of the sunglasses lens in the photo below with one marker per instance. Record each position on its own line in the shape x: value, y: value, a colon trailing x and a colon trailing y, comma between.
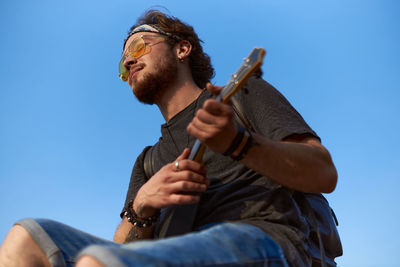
x: 123, y: 72
x: 136, y: 48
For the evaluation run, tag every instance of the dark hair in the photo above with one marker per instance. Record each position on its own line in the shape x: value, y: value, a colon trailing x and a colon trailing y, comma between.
x: 199, y: 62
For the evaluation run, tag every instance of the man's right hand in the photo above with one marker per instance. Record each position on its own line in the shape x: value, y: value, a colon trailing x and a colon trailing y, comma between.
x: 172, y: 185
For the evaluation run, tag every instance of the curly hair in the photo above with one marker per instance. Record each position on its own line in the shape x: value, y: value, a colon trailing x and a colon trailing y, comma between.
x: 199, y: 62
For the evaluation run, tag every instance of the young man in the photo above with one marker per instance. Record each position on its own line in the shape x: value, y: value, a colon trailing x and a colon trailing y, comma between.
x: 251, y: 188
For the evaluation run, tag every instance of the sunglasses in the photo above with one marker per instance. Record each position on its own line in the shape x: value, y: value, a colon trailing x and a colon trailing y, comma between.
x: 137, y: 48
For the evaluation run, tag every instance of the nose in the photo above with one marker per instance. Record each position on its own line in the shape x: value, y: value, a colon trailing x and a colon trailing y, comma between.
x: 129, y: 62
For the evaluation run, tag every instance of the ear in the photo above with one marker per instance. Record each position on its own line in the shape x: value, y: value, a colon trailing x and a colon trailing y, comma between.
x: 183, y: 50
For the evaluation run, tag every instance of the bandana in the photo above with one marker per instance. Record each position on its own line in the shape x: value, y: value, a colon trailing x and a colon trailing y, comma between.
x: 152, y: 28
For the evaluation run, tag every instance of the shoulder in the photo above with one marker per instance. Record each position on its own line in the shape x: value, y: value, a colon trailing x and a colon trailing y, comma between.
x: 269, y: 112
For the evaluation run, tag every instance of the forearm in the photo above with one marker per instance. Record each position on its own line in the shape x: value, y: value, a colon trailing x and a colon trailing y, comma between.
x: 122, y: 232
x: 303, y: 165
x: 126, y: 232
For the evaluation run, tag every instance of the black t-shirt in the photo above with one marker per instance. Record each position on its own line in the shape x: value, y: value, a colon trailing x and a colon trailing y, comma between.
x: 237, y: 193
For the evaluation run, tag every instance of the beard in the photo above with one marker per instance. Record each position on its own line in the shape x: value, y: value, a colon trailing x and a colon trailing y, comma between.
x: 148, y: 90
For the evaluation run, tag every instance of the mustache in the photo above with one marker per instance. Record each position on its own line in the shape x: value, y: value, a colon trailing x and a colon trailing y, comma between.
x: 137, y: 66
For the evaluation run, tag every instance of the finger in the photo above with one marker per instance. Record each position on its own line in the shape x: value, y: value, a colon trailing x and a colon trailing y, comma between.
x: 205, y: 124
x: 217, y: 108
x: 191, y: 166
x: 184, y: 155
x: 187, y: 187
x: 189, y: 176
x: 214, y: 88
x: 184, y: 199
x: 210, y: 125
x: 206, y: 117
x: 202, y: 131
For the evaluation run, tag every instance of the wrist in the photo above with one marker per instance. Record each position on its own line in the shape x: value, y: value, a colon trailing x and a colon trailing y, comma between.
x: 240, y: 145
x: 245, y: 144
x: 146, y: 219
x: 142, y: 209
x: 235, y: 142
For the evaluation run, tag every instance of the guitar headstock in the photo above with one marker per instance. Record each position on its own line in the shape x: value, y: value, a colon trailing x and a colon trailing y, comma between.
x: 252, y: 63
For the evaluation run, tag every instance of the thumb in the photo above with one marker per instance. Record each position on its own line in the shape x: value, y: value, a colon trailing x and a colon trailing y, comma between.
x: 214, y: 89
x: 184, y: 155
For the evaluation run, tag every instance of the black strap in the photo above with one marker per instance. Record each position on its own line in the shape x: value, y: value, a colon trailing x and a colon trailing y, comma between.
x: 314, y: 223
x: 148, y: 163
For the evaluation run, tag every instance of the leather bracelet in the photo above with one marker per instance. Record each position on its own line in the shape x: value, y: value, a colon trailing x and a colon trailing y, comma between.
x: 235, y: 143
x: 246, y: 147
x: 134, y: 219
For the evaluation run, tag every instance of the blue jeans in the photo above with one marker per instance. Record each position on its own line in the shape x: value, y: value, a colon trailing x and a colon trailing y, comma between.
x: 224, y: 244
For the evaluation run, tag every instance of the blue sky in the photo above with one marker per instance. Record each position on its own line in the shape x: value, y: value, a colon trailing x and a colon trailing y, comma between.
x: 70, y: 130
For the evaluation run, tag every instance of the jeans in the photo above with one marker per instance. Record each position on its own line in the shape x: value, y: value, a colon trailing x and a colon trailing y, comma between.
x: 223, y: 244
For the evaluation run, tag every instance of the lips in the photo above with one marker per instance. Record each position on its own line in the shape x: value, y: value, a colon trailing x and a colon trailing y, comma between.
x: 134, y: 71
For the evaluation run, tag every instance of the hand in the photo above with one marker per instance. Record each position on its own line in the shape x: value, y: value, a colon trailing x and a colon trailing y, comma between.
x: 172, y: 186
x: 213, y: 124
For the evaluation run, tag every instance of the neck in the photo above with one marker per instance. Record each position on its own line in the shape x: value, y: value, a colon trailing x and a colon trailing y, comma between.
x: 176, y: 98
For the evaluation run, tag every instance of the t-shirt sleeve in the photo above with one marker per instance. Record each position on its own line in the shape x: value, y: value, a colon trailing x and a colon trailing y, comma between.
x: 269, y: 112
x: 138, y: 179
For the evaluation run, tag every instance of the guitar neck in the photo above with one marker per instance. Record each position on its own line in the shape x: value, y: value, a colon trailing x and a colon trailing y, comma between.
x: 197, y: 152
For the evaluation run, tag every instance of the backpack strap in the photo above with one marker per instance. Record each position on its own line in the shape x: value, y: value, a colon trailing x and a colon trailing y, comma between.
x: 148, y: 163
x: 314, y: 223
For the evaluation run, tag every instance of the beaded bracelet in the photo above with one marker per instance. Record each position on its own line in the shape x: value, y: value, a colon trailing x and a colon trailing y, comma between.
x: 134, y: 219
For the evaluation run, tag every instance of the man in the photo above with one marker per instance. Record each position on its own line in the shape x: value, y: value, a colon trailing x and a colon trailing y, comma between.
x: 251, y: 210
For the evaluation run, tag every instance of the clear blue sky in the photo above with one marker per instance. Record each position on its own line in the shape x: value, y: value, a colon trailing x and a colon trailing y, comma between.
x: 70, y: 130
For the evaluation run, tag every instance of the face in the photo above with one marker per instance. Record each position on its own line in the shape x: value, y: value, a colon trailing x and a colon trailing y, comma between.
x: 153, y: 72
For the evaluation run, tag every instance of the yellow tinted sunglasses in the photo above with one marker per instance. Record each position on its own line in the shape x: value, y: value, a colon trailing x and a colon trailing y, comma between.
x: 137, y: 48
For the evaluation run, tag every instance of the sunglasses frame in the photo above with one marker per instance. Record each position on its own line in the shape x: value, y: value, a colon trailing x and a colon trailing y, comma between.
x: 123, y: 72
